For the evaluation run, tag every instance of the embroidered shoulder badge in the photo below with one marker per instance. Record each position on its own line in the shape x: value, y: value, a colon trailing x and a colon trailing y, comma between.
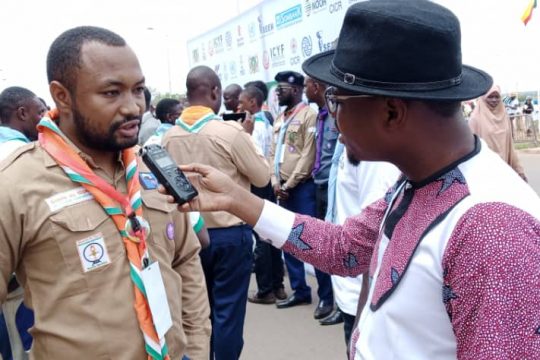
x: 148, y: 180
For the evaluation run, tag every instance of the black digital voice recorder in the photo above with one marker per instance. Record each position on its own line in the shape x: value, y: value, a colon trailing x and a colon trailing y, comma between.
x: 168, y: 174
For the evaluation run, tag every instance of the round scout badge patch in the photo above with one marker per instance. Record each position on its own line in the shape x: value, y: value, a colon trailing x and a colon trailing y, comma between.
x: 170, y: 231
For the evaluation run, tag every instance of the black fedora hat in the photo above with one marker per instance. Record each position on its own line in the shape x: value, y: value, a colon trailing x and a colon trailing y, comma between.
x: 408, y: 49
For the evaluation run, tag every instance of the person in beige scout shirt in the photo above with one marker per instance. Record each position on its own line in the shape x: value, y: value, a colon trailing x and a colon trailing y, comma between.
x: 292, y: 157
x: 97, y: 253
x: 201, y: 136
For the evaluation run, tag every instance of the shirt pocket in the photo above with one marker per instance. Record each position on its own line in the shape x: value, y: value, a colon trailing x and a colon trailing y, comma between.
x: 159, y: 213
x: 74, y: 227
x: 293, y: 136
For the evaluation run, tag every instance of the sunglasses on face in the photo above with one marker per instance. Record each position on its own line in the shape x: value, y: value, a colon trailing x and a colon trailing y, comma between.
x: 333, y: 100
x: 281, y: 88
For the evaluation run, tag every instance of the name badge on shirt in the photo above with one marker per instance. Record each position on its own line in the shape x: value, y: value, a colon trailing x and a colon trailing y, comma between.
x: 93, y: 252
x: 68, y: 198
x: 157, y: 298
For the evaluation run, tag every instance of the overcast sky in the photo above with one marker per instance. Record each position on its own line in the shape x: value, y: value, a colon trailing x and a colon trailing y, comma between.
x: 494, y: 39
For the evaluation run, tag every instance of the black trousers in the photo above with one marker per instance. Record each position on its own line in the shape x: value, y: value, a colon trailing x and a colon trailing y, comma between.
x: 269, y: 270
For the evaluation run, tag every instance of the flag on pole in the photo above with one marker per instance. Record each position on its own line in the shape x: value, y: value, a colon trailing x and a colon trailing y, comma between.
x: 527, y: 14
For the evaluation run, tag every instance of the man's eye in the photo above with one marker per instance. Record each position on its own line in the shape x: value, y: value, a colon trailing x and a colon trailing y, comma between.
x: 111, y: 93
x: 139, y: 90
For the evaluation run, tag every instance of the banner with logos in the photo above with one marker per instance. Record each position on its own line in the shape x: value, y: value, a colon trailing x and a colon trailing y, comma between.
x: 275, y: 35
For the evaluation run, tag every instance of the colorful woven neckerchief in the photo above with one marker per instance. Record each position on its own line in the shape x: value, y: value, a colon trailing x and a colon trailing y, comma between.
x: 194, y: 118
x: 125, y: 211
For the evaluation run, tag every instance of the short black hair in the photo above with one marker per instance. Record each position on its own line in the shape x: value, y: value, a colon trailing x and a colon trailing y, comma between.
x: 254, y: 93
x: 147, y: 98
x: 64, y: 57
x: 259, y: 85
x: 11, y: 99
x: 165, y: 107
x: 444, y: 109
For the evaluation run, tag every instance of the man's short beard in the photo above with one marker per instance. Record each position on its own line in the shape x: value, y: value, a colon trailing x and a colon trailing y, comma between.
x: 94, y: 141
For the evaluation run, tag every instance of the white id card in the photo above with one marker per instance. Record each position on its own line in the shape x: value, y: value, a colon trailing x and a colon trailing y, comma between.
x: 282, y: 154
x: 157, y: 298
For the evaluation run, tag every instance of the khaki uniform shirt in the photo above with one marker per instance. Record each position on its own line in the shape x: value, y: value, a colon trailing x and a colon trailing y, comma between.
x: 299, y: 148
x: 90, y: 315
x: 227, y: 147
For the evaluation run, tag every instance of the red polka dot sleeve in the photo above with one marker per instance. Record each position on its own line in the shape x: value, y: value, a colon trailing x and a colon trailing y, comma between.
x: 339, y: 250
x: 491, y: 284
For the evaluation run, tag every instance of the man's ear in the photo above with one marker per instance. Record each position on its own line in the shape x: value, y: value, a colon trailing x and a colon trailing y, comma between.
x: 61, y: 96
x: 216, y: 93
x: 396, y: 110
x: 21, y: 113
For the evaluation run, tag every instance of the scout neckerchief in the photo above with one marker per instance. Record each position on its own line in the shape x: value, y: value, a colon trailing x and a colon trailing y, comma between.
x: 194, y: 118
x: 261, y: 117
x: 162, y: 129
x: 280, y: 142
x: 9, y: 134
x: 125, y: 211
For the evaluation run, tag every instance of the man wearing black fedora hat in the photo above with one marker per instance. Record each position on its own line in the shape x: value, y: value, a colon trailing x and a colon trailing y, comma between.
x: 453, y: 249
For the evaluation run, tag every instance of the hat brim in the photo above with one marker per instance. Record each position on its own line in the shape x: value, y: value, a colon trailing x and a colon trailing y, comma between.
x: 474, y: 82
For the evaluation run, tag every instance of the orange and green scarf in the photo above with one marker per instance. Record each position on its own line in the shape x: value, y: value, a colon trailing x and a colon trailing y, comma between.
x: 124, y: 210
x: 194, y: 118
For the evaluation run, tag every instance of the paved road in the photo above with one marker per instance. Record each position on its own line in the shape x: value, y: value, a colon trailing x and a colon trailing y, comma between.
x: 531, y: 163
x: 282, y: 334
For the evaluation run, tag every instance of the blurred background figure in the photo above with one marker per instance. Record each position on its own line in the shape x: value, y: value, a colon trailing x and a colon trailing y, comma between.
x: 489, y: 120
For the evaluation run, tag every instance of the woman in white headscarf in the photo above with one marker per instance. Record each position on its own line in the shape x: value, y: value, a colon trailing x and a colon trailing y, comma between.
x: 490, y: 121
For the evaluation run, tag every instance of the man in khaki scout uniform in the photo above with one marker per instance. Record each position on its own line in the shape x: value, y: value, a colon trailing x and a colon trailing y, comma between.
x: 201, y: 136
x: 77, y: 258
x: 292, y: 158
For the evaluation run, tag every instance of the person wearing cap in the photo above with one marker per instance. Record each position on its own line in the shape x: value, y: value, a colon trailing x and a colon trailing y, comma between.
x: 292, y: 157
x: 453, y: 249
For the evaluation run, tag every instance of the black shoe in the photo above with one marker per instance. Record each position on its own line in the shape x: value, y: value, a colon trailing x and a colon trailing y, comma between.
x: 291, y: 301
x: 323, y: 310
x: 335, y: 318
x: 280, y: 294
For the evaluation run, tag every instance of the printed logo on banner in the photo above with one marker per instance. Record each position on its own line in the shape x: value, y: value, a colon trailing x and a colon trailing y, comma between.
x: 289, y: 17
x: 232, y: 69
x: 253, y: 64
x: 217, y: 70
x: 264, y: 29
x: 295, y: 59
x: 218, y: 44
x: 203, y: 51
x: 277, y: 55
x: 211, y: 48
x: 225, y: 72
x: 314, y: 6
x: 307, y: 46
x: 252, y: 29
x: 195, y: 55
x: 335, y: 7
x: 323, y: 46
x: 294, y: 46
x: 228, y: 39
x: 241, y: 65
x: 239, y: 36
x: 266, y: 60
